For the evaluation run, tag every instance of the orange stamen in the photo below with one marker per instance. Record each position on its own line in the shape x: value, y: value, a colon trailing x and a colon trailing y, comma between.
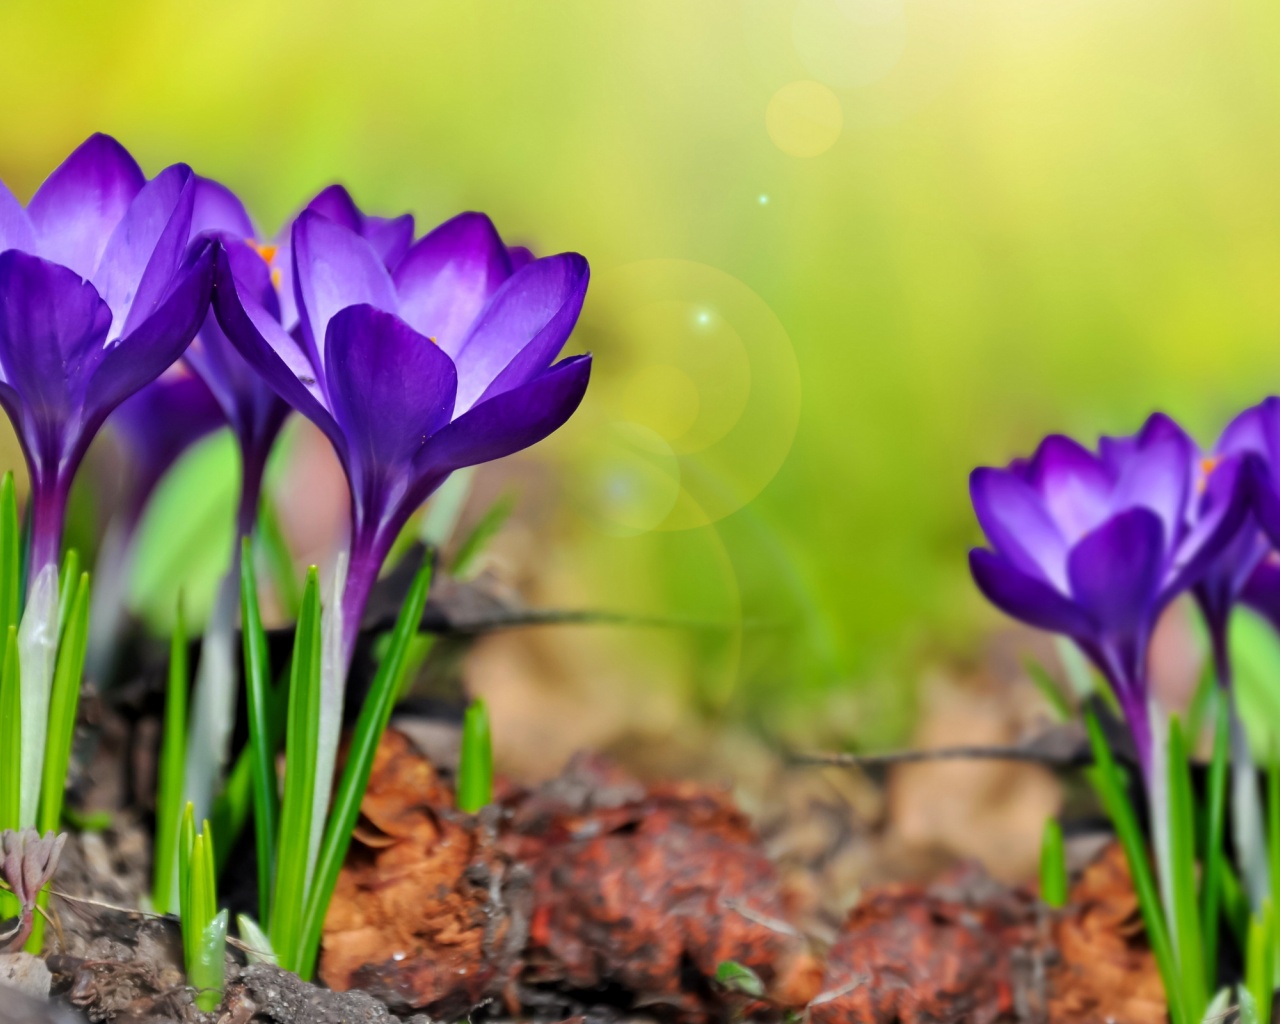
x: 267, y: 252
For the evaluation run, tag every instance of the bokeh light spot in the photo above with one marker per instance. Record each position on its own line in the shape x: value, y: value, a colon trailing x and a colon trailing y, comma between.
x: 849, y: 43
x: 804, y: 119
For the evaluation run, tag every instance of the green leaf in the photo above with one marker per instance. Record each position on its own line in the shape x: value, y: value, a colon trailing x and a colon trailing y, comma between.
x: 173, y: 756
x: 475, y: 761
x: 739, y: 978
x: 477, y: 540
x: 186, y: 910
x: 67, y: 589
x: 1215, y: 828
x: 1182, y: 834
x: 302, y: 741
x: 1053, y: 865
x: 10, y: 555
x: 208, y: 973
x: 1260, y: 962
x: 257, y: 673
x: 10, y: 734
x: 1049, y: 689
x: 1109, y: 782
x: 369, y: 728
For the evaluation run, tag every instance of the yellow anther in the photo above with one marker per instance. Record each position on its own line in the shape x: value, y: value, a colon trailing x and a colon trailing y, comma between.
x: 267, y: 252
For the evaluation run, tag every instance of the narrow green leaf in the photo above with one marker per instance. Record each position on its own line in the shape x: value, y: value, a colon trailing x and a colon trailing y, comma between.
x: 1249, y: 1007
x: 477, y: 540
x: 1260, y: 961
x: 1182, y: 830
x: 739, y: 978
x: 475, y: 761
x: 10, y: 749
x: 186, y: 912
x: 1110, y: 784
x: 10, y: 734
x: 173, y: 757
x: 1273, y: 821
x: 369, y: 728
x: 301, y: 743
x: 1053, y: 865
x: 1049, y: 689
x: 10, y: 555
x: 63, y: 703
x: 1214, y: 832
x: 67, y: 588
x: 257, y: 675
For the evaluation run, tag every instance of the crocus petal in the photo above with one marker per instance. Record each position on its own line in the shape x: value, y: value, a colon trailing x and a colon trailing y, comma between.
x: 447, y: 277
x: 1116, y: 571
x: 52, y: 328
x: 1222, y: 508
x: 1075, y: 484
x: 1024, y: 597
x: 218, y: 209
x: 390, y: 237
x: 146, y: 248
x: 1158, y: 478
x: 1014, y: 519
x: 334, y: 268
x: 1247, y: 432
x: 335, y: 203
x: 270, y: 350
x: 391, y: 388
x: 523, y: 327
x: 76, y: 209
x: 16, y: 231
x: 511, y: 421
x: 147, y: 351
x: 520, y: 256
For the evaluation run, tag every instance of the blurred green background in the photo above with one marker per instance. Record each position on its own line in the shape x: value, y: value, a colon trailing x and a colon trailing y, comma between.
x: 843, y: 250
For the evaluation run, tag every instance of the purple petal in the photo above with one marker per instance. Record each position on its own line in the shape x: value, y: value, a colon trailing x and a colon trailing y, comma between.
x: 147, y: 248
x: 1116, y: 571
x: 335, y: 203
x: 1024, y: 597
x: 447, y: 277
x: 218, y: 209
x: 390, y: 237
x: 269, y: 349
x: 16, y: 231
x: 520, y: 257
x: 1075, y: 485
x: 522, y: 329
x: 155, y: 344
x: 79, y: 205
x: 52, y: 328
x: 513, y: 420
x: 1158, y: 476
x: 1013, y: 517
x: 334, y: 268
x: 391, y: 390
x: 1262, y: 591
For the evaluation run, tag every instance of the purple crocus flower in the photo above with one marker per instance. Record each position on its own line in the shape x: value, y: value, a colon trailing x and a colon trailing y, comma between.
x: 445, y: 363
x: 252, y: 408
x: 1095, y: 546
x: 99, y: 294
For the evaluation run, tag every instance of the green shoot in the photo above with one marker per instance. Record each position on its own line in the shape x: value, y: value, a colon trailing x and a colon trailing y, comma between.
x: 1109, y: 782
x: 1273, y: 821
x: 172, y: 770
x: 303, y: 733
x: 473, y: 545
x: 1260, y: 961
x: 1053, y: 866
x: 1186, y: 910
x: 63, y: 704
x: 1215, y: 827
x: 257, y: 672
x: 739, y: 978
x: 475, y: 762
x: 257, y: 946
x: 1049, y: 689
x: 204, y: 928
x: 10, y: 749
x: 366, y: 736
x: 10, y: 555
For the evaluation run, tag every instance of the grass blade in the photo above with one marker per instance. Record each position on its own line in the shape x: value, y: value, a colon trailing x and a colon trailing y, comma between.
x: 473, y: 545
x: 1215, y: 828
x: 258, y: 949
x: 1110, y: 784
x: 1053, y: 866
x: 366, y: 736
x: 302, y: 739
x: 10, y: 749
x: 186, y: 845
x: 10, y: 555
x: 1182, y: 842
x: 1049, y: 689
x: 257, y: 675
x: 1260, y: 961
x: 475, y: 761
x: 173, y: 758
